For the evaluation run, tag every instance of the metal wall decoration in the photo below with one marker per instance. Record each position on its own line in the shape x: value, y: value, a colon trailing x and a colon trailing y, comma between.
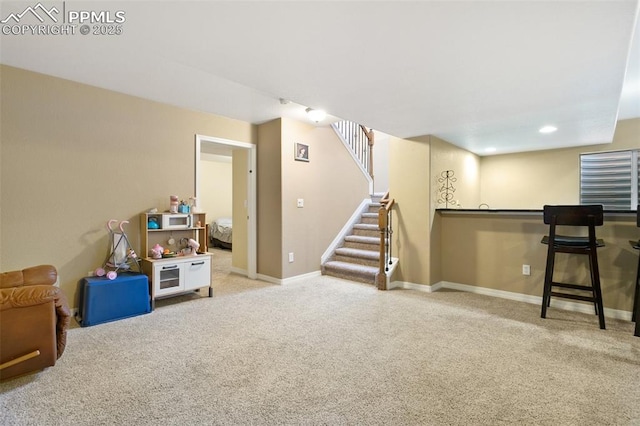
x: 447, y: 189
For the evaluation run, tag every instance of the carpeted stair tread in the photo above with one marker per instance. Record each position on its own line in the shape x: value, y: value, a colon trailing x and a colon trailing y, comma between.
x: 352, y: 268
x: 362, y: 239
x: 362, y: 254
x: 368, y: 226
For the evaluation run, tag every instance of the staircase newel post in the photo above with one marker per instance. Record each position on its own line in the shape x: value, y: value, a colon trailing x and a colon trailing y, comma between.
x: 389, y: 235
x: 371, y: 142
x: 381, y: 276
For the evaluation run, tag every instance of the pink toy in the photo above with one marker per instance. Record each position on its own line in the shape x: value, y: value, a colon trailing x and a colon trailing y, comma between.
x: 194, y: 246
x: 173, y: 204
x: 156, y: 251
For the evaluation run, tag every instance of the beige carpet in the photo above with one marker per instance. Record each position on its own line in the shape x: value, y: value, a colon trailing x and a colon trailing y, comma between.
x: 325, y: 351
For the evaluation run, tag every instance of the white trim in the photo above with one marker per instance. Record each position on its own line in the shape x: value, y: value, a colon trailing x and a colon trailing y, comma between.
x: 213, y: 139
x: 252, y: 211
x: 355, y: 217
x: 413, y: 286
x: 291, y: 280
x: 353, y: 155
x: 392, y: 269
x: 518, y: 297
x: 239, y: 271
x: 269, y: 279
x: 251, y: 193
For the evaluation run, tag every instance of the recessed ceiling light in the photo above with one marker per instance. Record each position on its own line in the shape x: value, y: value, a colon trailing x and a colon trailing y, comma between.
x: 490, y: 149
x: 548, y: 129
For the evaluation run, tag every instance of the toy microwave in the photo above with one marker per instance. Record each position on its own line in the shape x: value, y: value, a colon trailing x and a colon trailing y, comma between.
x: 176, y: 221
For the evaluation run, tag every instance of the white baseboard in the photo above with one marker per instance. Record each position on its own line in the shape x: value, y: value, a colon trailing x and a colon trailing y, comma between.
x: 413, y: 286
x: 239, y: 271
x: 519, y: 297
x: 269, y: 279
x: 291, y: 280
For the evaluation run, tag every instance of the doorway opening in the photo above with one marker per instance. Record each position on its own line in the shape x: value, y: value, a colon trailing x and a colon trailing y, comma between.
x: 241, y: 156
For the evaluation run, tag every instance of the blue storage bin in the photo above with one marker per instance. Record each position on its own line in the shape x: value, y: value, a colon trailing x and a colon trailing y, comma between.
x: 104, y: 300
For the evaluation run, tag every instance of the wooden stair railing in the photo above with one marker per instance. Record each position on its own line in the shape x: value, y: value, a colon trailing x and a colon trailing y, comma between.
x: 360, y: 141
x: 370, y: 141
x: 385, y: 226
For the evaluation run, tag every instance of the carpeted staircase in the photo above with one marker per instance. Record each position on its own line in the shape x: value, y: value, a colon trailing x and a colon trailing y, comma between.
x: 358, y: 256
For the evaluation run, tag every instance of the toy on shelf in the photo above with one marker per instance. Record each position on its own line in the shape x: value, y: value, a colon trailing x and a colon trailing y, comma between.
x: 120, y: 254
x: 157, y: 251
x: 191, y: 247
x: 194, y: 246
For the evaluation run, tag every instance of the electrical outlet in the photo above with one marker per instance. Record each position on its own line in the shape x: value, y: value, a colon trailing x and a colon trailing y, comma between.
x: 526, y: 269
x: 290, y: 257
x: 300, y: 202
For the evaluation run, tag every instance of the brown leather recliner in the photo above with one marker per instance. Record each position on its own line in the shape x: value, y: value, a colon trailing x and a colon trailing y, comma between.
x: 34, y: 317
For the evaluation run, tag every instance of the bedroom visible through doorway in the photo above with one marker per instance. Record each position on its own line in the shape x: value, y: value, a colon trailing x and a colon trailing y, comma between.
x: 225, y: 190
x: 216, y: 194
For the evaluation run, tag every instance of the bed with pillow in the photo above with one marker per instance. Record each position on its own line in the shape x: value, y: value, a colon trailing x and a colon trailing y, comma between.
x: 220, y: 232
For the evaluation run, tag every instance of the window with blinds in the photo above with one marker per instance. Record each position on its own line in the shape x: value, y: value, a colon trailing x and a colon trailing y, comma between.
x: 637, y: 201
x: 610, y: 179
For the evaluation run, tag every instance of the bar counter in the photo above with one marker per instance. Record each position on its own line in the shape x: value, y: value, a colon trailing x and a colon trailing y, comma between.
x: 485, y: 250
x: 527, y: 212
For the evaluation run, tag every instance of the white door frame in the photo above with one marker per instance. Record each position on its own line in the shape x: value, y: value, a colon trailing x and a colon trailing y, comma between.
x: 251, y: 193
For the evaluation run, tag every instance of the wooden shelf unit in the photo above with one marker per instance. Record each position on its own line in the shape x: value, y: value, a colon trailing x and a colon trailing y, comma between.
x: 180, y: 274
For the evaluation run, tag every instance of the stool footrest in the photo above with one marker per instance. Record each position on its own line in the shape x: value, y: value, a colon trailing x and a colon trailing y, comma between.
x: 572, y: 286
x: 573, y: 296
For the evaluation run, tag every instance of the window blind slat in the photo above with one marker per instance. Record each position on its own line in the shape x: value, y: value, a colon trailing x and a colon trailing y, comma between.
x: 608, y: 178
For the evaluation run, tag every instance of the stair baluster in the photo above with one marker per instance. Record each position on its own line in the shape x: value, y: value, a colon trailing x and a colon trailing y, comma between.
x: 359, y: 140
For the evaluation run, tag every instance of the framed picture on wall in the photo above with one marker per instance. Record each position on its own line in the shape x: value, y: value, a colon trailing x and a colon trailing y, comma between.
x: 302, y: 152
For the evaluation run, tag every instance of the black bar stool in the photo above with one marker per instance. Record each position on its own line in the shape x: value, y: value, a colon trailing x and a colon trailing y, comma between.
x: 588, y: 216
x: 636, y: 298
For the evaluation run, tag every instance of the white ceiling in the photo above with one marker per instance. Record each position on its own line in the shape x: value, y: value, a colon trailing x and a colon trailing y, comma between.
x: 478, y: 74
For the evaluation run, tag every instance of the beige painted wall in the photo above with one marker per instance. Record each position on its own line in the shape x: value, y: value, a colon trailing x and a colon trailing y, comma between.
x: 270, y: 199
x: 380, y: 162
x: 488, y: 250
x: 216, y: 182
x: 531, y: 180
x: 239, y: 257
x: 466, y: 168
x: 410, y: 186
x: 415, y: 167
x: 74, y: 156
x: 331, y: 185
